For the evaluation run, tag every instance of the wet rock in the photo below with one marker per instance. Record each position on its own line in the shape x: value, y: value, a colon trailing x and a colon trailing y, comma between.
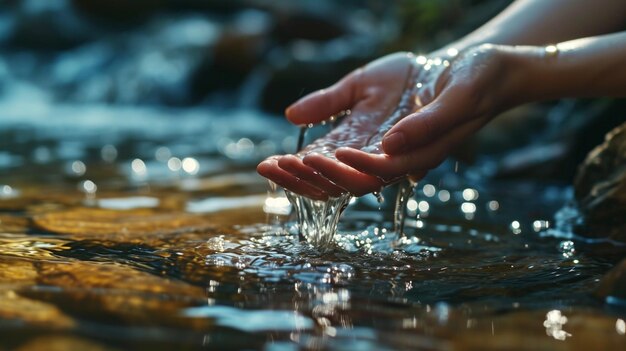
x: 600, y: 189
x: 236, y: 53
x: 13, y: 306
x: 316, y: 53
x: 13, y: 224
x: 612, y: 287
x: 110, y: 291
x: 17, y: 271
x: 62, y: 343
x: 87, y: 276
x: 131, y: 223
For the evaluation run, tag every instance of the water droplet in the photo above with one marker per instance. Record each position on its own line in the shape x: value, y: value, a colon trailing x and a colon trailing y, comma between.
x: 88, y: 187
x: 174, y: 164
x: 190, y: 165
x: 516, y: 227
x: 493, y: 205
x: 162, y: 154
x: 429, y: 190
x: 379, y: 197
x: 138, y: 167
x: 567, y: 248
x: 78, y: 168
x: 444, y: 195
x: 108, y: 153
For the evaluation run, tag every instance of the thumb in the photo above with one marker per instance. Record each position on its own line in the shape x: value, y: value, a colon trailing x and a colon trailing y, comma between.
x: 320, y: 105
x: 428, y: 124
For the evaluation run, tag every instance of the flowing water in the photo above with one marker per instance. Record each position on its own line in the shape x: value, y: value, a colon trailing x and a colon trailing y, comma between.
x: 147, y: 234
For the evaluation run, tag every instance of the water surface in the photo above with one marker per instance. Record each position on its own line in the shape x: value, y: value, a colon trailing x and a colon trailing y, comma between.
x: 138, y: 231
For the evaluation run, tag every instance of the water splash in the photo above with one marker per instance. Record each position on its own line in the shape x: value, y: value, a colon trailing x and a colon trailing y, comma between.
x: 317, y: 220
x: 405, y: 192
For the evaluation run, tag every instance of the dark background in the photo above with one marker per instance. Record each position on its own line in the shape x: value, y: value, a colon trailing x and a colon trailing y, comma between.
x: 261, y: 55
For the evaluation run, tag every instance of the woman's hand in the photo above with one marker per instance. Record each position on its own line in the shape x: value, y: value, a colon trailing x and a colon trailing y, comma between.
x: 407, y: 113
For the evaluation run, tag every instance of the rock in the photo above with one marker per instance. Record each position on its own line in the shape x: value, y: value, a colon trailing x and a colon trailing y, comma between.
x: 132, y: 223
x: 600, y: 189
x: 17, y: 271
x: 316, y: 49
x: 62, y: 343
x: 110, y: 291
x: 13, y: 224
x: 612, y: 288
x: 13, y: 306
x: 237, y: 51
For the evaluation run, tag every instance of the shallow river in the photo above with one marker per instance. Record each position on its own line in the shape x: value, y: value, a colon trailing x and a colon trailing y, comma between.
x: 133, y: 229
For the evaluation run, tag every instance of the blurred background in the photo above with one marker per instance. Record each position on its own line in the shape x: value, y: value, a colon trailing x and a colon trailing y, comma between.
x: 93, y: 79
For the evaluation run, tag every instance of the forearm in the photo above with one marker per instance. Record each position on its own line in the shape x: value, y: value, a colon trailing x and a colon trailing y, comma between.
x: 588, y: 67
x: 542, y: 22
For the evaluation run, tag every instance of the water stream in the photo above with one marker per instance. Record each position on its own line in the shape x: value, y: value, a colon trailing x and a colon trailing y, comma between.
x: 317, y: 220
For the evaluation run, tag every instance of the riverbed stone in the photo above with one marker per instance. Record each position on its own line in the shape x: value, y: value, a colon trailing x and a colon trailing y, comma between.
x: 32, y: 312
x: 103, y: 222
x: 600, y: 189
x: 62, y: 343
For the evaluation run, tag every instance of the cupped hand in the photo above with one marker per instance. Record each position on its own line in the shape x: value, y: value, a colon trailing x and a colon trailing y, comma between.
x: 406, y: 114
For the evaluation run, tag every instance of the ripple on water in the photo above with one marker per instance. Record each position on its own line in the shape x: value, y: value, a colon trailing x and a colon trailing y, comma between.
x: 252, y: 320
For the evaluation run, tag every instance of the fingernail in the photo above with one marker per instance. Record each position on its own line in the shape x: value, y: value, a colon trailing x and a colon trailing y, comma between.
x: 394, y: 143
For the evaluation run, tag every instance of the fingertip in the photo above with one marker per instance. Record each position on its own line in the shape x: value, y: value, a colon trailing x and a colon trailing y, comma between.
x: 288, y: 162
x: 310, y: 155
x: 343, y: 153
x: 394, y: 143
x: 262, y: 167
x: 291, y: 112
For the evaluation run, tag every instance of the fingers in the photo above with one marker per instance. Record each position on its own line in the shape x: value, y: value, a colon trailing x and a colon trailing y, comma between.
x: 389, y: 167
x: 270, y: 169
x: 414, y: 161
x: 294, y: 165
x: 320, y: 105
x: 427, y: 124
x: 348, y: 178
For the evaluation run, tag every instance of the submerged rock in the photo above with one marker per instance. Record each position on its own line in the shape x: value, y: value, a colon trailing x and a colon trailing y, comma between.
x: 101, y: 222
x: 600, y: 189
x: 14, y: 307
x: 61, y: 342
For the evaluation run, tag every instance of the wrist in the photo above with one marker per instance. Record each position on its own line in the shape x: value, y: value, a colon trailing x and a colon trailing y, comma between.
x: 537, y: 72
